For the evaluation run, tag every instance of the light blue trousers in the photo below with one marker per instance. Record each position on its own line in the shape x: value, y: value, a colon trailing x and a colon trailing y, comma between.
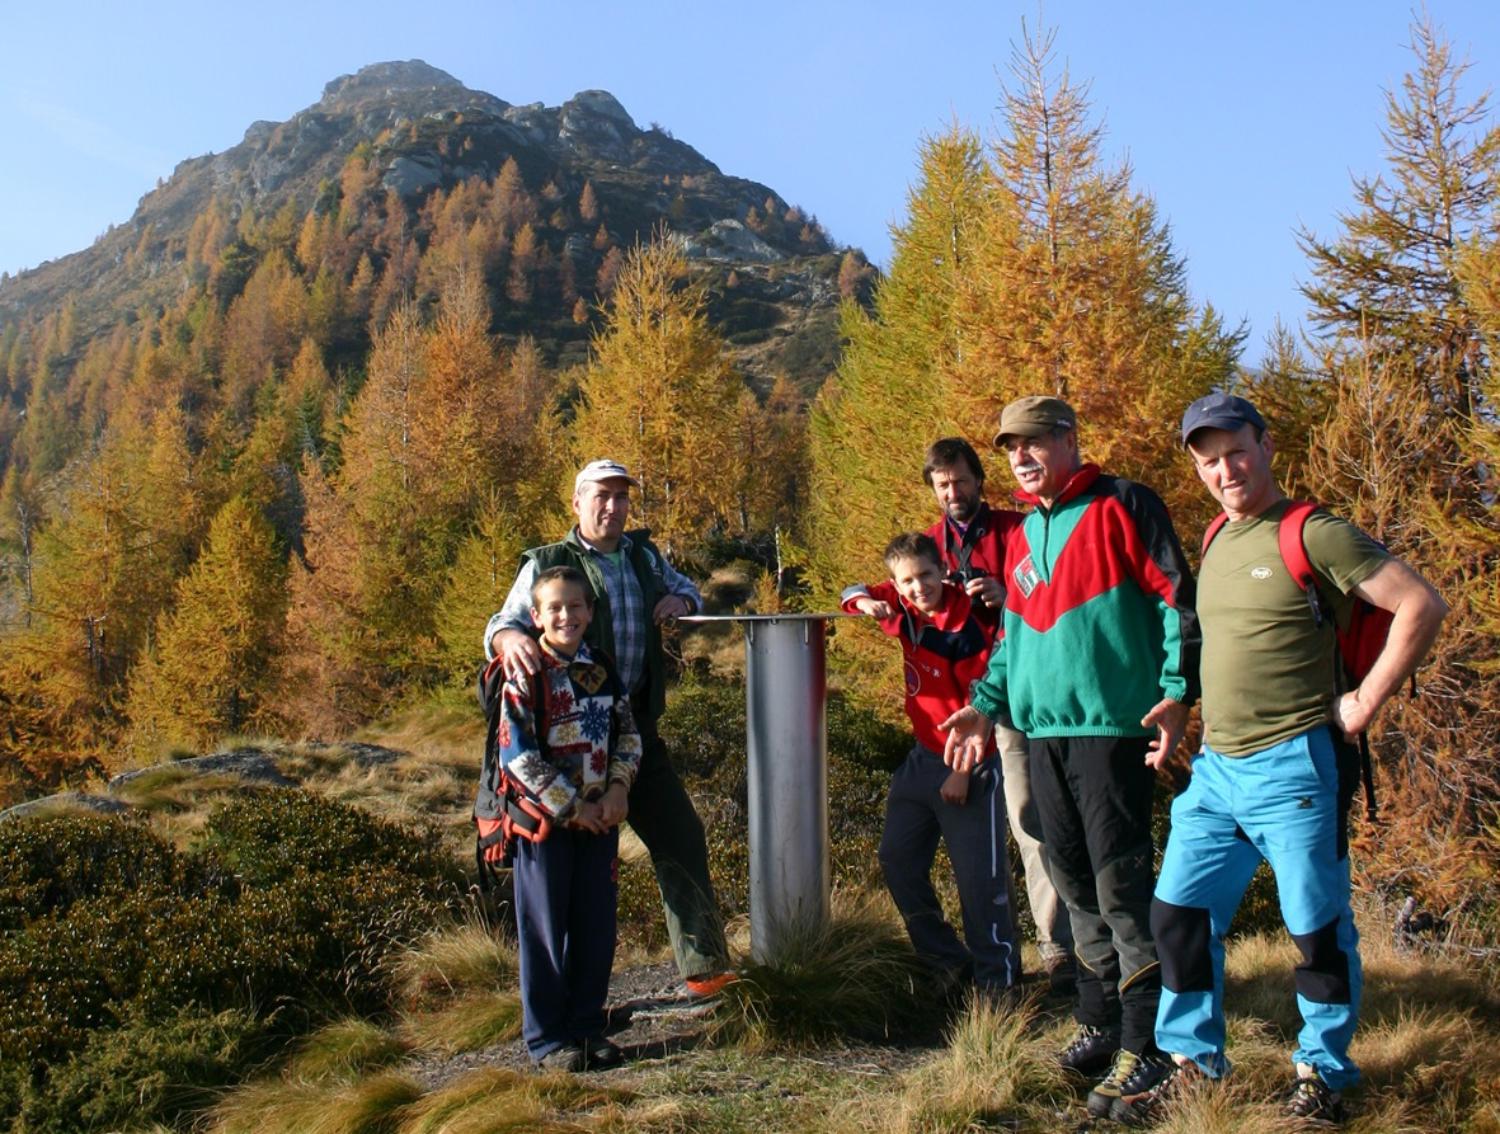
x: 1280, y: 804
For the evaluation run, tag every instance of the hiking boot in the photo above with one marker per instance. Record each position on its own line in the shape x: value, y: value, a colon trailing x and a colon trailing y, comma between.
x: 1149, y: 1106
x: 568, y: 1058
x: 601, y: 1055
x: 1131, y: 1074
x: 709, y: 984
x: 1062, y: 975
x: 1312, y: 1101
x: 1089, y: 1051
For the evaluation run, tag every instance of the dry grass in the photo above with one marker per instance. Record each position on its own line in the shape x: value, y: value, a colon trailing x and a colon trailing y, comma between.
x: 278, y: 1106
x: 445, y: 730
x: 464, y: 959
x: 989, y: 1075
x: 488, y: 1101
x: 467, y: 1023
x: 344, y: 1050
x: 855, y: 977
x: 497, y: 1101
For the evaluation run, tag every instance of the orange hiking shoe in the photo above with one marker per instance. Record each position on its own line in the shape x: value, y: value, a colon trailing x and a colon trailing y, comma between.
x: 709, y: 984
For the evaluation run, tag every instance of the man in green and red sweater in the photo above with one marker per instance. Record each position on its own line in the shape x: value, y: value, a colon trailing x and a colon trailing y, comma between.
x: 1097, y: 666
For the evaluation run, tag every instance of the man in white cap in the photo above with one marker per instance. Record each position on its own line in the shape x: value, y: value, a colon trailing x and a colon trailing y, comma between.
x: 635, y: 590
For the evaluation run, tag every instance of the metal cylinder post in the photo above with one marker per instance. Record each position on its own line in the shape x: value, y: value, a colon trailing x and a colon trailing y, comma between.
x: 786, y: 686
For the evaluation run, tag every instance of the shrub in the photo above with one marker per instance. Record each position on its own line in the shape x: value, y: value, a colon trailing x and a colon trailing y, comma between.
x: 48, y: 864
x: 145, y: 1071
x: 270, y: 836
x: 308, y: 934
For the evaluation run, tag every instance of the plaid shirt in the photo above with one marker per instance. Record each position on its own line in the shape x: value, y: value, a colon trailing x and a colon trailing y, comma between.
x: 627, y: 609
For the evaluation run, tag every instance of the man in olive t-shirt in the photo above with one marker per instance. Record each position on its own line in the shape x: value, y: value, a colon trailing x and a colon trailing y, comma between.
x: 1266, y: 784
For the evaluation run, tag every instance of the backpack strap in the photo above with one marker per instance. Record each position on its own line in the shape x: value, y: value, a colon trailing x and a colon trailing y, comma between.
x: 1289, y: 539
x: 1214, y: 527
x: 1294, y: 555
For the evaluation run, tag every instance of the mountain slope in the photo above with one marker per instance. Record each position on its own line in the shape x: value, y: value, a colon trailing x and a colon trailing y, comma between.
x: 424, y: 131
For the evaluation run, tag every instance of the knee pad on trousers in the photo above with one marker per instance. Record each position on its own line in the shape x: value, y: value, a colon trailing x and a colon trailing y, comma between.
x: 1182, y: 942
x: 1323, y: 975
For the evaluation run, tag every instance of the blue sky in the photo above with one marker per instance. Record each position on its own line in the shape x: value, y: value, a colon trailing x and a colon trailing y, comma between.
x: 1243, y: 120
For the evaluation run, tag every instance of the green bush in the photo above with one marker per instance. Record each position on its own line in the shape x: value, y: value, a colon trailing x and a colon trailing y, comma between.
x: 271, y: 836
x: 48, y: 864
x: 306, y: 934
x: 146, y: 1071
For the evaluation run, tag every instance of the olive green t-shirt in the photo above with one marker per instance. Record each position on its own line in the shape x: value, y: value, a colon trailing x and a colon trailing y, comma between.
x: 1268, y: 668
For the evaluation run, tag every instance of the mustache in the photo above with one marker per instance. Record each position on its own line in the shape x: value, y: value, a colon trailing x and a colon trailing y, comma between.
x: 1028, y: 467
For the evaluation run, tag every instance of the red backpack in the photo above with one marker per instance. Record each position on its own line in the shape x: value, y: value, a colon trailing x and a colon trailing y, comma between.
x: 1359, y: 642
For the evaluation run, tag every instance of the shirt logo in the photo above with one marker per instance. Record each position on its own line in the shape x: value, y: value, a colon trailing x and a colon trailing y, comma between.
x: 1260, y: 572
x: 913, y: 680
x: 1026, y: 577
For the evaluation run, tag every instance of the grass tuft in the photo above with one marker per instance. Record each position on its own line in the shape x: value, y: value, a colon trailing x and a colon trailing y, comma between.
x: 991, y: 1073
x: 500, y: 1101
x: 345, y: 1049
x: 375, y: 1105
x: 856, y: 977
x: 466, y: 1024
x: 454, y: 962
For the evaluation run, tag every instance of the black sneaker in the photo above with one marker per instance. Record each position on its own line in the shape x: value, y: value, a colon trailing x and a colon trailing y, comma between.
x: 1131, y: 1074
x: 1143, y: 1108
x: 1312, y: 1101
x: 601, y: 1055
x: 569, y: 1057
x: 1090, y: 1051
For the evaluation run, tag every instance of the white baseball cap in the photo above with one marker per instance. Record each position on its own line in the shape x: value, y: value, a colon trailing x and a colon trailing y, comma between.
x: 602, y: 470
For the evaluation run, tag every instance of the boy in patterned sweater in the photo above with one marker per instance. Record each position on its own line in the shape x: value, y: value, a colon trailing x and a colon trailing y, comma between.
x: 945, y: 648
x: 566, y: 755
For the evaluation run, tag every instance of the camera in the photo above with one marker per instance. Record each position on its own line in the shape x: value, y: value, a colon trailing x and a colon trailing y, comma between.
x: 965, y: 575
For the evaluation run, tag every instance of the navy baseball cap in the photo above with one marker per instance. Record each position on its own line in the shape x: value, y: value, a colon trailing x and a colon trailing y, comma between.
x: 1220, y: 411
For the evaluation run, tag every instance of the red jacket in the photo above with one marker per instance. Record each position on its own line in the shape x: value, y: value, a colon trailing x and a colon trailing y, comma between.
x: 944, y: 654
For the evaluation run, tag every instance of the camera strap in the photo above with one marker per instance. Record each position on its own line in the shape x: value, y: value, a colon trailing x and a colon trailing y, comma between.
x: 961, y: 556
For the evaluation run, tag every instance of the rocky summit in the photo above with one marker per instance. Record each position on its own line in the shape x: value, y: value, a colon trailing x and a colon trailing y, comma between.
x: 772, y: 272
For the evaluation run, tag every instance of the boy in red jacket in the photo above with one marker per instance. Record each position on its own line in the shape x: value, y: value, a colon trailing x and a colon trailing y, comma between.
x: 945, y: 648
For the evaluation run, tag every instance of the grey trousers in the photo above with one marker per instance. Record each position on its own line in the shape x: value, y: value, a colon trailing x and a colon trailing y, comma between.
x: 1054, y: 935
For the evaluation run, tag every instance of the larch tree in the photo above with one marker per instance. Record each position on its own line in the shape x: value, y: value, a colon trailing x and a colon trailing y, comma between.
x: 1388, y: 278
x: 210, y: 669
x: 1076, y: 290
x: 483, y: 569
x: 127, y: 523
x: 1032, y: 267
x: 1404, y: 300
x: 893, y: 391
x: 660, y: 395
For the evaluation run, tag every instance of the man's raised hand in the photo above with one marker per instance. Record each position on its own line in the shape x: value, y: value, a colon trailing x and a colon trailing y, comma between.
x: 968, y: 735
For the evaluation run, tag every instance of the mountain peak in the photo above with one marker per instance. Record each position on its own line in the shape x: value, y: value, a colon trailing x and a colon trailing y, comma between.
x: 384, y: 79
x: 601, y: 103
